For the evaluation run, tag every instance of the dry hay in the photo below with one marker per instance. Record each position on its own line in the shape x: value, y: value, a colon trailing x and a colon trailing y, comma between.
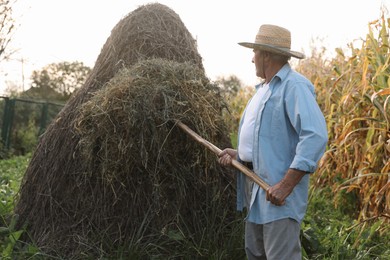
x: 131, y: 119
x: 151, y: 31
x: 144, y: 165
x: 112, y: 168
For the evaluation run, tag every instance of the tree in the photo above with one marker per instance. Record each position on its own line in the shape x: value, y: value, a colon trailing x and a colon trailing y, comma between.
x: 230, y: 85
x: 58, y: 80
x: 7, y: 27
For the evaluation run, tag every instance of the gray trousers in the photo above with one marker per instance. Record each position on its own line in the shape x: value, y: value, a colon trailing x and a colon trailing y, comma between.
x: 276, y: 240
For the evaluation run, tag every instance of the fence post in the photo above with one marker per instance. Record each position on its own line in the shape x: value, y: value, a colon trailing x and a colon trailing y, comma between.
x: 43, y: 120
x: 9, y: 110
x: 4, y: 126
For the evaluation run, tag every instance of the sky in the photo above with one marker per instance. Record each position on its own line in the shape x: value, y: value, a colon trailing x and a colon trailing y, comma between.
x: 54, y: 31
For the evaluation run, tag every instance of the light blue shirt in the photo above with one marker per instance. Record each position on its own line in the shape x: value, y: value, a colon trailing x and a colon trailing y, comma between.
x: 290, y: 132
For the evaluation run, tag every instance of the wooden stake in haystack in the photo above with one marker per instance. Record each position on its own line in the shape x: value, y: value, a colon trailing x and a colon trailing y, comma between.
x: 236, y: 164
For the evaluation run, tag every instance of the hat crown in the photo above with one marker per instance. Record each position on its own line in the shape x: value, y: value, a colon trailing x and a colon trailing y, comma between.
x: 274, y: 35
x: 275, y: 39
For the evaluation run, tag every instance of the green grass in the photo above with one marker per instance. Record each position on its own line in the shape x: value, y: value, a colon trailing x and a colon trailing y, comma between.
x: 11, y: 175
x: 327, y: 232
x: 334, y: 233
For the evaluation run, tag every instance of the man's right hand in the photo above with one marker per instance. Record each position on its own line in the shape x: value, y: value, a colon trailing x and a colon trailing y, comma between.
x: 226, y: 156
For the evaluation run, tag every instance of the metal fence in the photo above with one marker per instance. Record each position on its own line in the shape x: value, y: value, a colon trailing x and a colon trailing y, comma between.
x: 22, y: 121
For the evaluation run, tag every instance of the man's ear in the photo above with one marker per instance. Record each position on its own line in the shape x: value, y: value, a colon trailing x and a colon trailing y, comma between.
x: 267, y: 55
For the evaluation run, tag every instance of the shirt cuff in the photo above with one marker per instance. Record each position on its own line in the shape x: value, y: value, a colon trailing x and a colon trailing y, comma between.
x: 303, y: 164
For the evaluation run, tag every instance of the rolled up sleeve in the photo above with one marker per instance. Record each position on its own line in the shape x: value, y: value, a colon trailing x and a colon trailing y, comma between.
x: 310, y: 125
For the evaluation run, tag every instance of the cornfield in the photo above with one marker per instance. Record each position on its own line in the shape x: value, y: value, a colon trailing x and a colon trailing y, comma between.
x: 353, y: 93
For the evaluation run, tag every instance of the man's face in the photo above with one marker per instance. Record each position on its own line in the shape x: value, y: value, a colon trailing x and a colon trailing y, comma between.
x: 258, y: 60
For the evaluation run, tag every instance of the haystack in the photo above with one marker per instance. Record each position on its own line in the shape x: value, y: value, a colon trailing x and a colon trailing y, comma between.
x: 112, y: 170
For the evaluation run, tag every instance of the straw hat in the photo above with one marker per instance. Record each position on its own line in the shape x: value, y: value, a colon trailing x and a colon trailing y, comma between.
x: 274, y: 39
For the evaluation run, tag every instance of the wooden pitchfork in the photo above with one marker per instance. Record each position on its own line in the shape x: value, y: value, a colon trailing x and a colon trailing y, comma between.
x: 236, y: 164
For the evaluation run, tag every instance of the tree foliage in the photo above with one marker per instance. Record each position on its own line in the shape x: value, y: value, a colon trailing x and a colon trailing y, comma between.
x: 229, y: 85
x: 7, y: 27
x: 58, y: 80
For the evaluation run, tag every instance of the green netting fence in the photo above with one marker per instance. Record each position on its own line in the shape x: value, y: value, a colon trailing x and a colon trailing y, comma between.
x: 22, y: 121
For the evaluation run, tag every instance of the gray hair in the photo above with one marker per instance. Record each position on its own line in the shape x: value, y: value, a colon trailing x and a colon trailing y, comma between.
x: 277, y: 57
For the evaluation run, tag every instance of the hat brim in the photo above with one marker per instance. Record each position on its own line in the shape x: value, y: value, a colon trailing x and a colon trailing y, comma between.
x: 274, y: 49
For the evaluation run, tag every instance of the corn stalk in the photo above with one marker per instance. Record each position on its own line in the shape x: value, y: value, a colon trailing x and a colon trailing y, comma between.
x: 354, y: 97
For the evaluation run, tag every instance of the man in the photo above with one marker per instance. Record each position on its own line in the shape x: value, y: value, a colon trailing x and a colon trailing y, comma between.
x: 282, y: 136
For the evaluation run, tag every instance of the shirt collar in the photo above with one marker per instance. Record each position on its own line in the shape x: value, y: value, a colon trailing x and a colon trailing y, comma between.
x: 281, y: 74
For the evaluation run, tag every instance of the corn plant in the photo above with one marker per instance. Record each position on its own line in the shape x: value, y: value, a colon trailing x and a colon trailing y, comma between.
x: 353, y: 91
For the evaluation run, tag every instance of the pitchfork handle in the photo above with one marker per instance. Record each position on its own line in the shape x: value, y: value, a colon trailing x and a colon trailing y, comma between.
x: 236, y: 164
